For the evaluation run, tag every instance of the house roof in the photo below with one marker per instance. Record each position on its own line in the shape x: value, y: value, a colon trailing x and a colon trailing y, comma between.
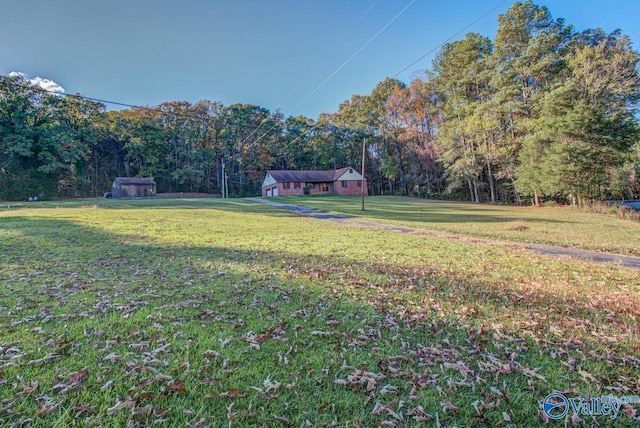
x: 134, y: 180
x: 307, y: 176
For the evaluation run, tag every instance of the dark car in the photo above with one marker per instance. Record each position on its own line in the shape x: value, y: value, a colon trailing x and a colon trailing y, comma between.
x: 108, y: 195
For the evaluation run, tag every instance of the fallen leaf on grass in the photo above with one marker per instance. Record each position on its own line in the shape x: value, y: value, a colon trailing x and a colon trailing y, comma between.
x: 499, y: 393
x: 320, y: 333
x: 628, y: 410
x: 6, y: 407
x: 70, y: 382
x: 231, y: 393
x: 211, y: 353
x: 64, y: 345
x: 147, y: 410
x: 388, y: 389
x: 573, y: 421
x: 530, y: 373
x: 418, y: 414
x: 543, y: 416
x: 175, y: 388
x: 231, y: 415
x: 81, y: 408
x: 44, y: 359
x: 161, y: 349
x: 127, y: 404
x: 271, y: 386
x: 379, y: 408
x: 107, y: 385
x: 112, y: 358
x: 479, y: 406
x: 282, y: 419
x: 448, y: 406
x: 48, y: 407
x: 361, y: 378
x: 586, y: 376
x: 28, y: 389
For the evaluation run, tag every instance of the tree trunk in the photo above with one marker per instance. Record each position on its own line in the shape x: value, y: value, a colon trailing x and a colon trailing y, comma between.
x: 476, y: 190
x: 517, y: 194
x: 403, y: 179
x: 492, y: 185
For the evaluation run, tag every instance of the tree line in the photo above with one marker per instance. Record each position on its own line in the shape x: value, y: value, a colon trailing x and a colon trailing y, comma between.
x: 540, y: 113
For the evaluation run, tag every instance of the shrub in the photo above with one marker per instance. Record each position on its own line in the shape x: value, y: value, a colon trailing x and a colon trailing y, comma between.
x: 628, y: 213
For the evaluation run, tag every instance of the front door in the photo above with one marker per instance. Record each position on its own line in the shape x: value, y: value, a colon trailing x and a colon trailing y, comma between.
x: 275, y: 191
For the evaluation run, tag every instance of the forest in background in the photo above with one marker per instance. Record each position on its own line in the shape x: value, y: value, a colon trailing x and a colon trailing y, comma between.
x: 540, y: 113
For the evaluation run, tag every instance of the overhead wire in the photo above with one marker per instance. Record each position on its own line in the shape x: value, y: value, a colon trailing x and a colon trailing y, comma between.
x: 335, y: 45
x: 38, y: 88
x: 330, y: 51
x: 158, y: 110
x: 472, y: 23
x: 421, y: 57
x: 344, y: 64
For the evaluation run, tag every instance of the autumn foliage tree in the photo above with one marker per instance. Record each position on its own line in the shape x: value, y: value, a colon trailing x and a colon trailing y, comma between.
x: 539, y: 113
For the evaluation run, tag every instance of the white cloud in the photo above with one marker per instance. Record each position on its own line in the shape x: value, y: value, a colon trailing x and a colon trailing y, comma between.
x: 46, y: 84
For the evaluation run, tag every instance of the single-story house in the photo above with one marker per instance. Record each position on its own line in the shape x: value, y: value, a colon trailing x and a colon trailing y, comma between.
x: 133, y: 187
x: 343, y: 181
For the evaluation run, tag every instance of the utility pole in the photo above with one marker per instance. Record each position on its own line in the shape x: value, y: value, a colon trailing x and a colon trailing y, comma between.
x: 364, y: 142
x: 223, y: 179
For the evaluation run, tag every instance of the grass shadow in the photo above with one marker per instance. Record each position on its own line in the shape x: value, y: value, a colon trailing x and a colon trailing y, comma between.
x: 331, y: 316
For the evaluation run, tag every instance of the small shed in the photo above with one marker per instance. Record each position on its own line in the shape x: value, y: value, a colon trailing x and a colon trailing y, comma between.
x: 133, y: 187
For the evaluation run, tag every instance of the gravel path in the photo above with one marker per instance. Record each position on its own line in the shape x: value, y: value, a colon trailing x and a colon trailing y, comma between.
x: 630, y: 262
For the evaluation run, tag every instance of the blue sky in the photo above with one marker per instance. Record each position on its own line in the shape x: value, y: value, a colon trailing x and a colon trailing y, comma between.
x: 262, y: 52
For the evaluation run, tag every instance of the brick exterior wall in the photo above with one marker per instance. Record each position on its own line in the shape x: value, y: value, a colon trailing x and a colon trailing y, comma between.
x: 352, y: 189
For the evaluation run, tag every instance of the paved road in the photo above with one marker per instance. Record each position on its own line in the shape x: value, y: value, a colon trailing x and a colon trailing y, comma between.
x: 630, y: 262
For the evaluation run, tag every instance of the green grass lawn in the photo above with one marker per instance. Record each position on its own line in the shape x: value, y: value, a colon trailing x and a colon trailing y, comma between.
x: 562, y: 226
x: 232, y: 313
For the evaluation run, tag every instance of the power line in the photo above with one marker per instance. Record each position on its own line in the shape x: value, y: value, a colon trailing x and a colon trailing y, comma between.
x: 451, y: 37
x: 38, y: 88
x: 355, y: 24
x: 420, y: 58
x: 368, y: 42
x: 206, y: 119
x: 330, y: 51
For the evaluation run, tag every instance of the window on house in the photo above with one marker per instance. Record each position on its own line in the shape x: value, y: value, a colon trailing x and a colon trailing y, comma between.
x: 296, y: 185
x: 350, y: 170
x: 325, y: 187
x: 359, y: 183
x: 311, y: 185
x: 286, y: 185
x: 344, y: 183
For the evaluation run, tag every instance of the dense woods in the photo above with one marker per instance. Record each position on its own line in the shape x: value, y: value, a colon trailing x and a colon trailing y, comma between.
x: 541, y: 113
